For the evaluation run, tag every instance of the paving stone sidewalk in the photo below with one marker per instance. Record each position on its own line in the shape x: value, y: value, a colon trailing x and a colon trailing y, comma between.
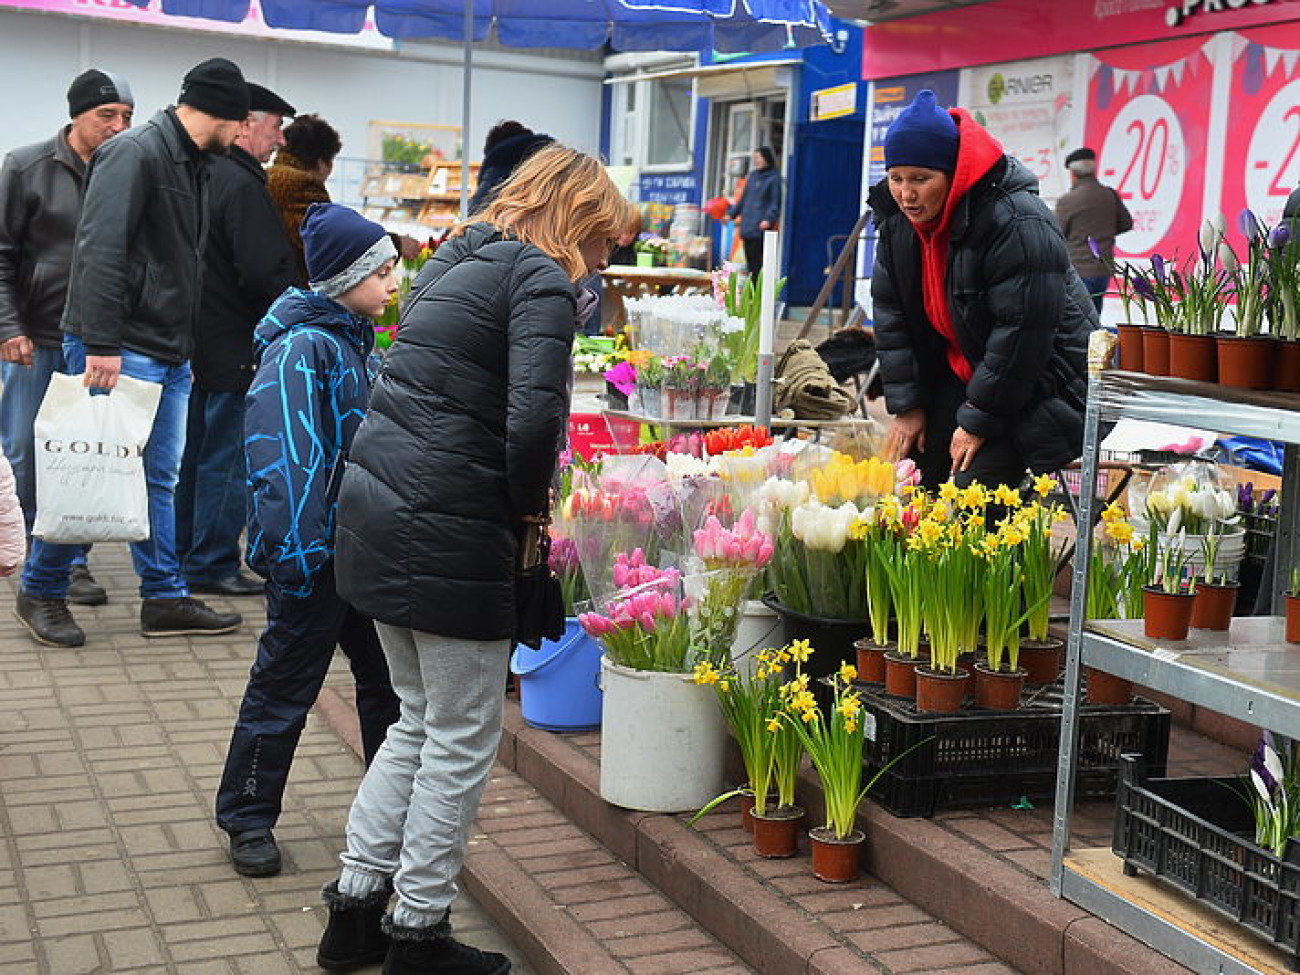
x: 109, y: 759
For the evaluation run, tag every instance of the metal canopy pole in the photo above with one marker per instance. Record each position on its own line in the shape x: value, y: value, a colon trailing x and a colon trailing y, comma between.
x: 464, y: 108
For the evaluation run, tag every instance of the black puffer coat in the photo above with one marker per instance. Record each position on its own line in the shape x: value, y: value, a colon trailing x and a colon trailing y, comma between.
x: 1021, y: 314
x: 461, y: 440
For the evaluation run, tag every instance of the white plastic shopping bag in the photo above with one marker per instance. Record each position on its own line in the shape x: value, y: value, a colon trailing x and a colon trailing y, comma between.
x: 90, y: 484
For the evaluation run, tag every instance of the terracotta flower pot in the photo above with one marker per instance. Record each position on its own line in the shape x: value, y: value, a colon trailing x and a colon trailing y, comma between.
x: 998, y: 690
x: 940, y: 692
x: 1286, y: 366
x: 1130, y: 347
x: 835, y: 860
x: 776, y: 834
x: 871, y: 660
x: 1155, y: 351
x: 1193, y: 357
x: 1166, y: 615
x: 1041, y: 659
x: 1292, y: 618
x: 747, y: 811
x: 1104, y: 688
x: 1213, y: 604
x: 900, y: 674
x: 1245, y: 363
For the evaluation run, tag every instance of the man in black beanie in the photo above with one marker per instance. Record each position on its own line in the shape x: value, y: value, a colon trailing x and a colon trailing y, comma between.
x: 132, y: 300
x: 247, y: 265
x: 40, y: 202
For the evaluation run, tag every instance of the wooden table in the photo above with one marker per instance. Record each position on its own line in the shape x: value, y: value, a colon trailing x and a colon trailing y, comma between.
x: 627, y: 281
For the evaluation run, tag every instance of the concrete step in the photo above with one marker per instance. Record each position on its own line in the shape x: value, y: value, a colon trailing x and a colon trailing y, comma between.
x: 964, y: 893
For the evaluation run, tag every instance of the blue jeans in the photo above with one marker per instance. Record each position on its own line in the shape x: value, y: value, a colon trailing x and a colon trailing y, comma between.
x: 293, y: 657
x: 24, y: 388
x: 1097, y: 289
x: 46, y: 572
x: 212, y: 494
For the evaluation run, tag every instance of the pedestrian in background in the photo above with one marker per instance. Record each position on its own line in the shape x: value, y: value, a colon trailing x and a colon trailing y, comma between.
x: 41, y: 188
x: 314, y: 373
x: 1091, y: 212
x: 981, y: 323
x: 297, y: 177
x: 759, y: 206
x: 507, y: 144
x: 247, y: 264
x: 132, y: 299
x: 449, y: 472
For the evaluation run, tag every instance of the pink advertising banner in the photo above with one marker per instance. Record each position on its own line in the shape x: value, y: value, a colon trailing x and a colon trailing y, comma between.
x: 1148, y: 118
x: 1012, y: 30
x: 1261, y: 163
x: 119, y: 11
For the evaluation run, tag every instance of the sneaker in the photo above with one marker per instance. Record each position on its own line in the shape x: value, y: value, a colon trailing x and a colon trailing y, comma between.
x: 254, y: 853
x: 236, y: 584
x: 184, y: 616
x: 83, y: 590
x: 49, y: 620
x: 421, y: 951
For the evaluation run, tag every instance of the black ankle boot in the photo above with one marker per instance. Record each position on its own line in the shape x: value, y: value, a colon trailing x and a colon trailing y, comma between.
x: 433, y: 951
x: 354, y: 936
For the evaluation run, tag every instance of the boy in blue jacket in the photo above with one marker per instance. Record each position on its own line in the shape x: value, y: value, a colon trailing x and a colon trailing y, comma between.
x: 315, y: 369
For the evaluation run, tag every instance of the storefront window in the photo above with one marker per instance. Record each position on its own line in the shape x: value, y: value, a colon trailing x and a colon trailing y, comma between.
x: 652, y: 124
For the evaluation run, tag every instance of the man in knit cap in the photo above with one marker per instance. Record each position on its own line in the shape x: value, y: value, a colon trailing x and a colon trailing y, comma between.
x: 40, y: 201
x: 1091, y: 215
x: 132, y: 300
x: 247, y: 264
x: 981, y: 323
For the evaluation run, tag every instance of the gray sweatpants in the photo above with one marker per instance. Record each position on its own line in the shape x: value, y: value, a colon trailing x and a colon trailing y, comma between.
x: 413, y: 812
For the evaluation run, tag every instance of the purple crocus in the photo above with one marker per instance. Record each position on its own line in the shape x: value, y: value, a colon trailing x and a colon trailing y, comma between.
x: 1095, y: 248
x: 1279, y: 237
x: 1142, y: 287
x: 1251, y: 228
x: 1158, y: 269
x: 1266, y: 768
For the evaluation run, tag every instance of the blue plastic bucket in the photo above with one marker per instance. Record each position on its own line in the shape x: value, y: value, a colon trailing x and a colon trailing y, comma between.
x: 559, y: 683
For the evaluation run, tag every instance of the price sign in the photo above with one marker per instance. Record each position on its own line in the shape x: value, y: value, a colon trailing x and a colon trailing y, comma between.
x: 1272, y: 167
x: 1144, y: 157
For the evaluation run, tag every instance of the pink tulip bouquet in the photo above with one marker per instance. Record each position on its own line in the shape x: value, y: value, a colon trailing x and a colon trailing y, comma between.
x: 731, y: 558
x: 644, y: 625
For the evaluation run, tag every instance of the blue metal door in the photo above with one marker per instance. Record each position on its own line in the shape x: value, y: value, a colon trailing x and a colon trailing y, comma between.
x: 824, y: 201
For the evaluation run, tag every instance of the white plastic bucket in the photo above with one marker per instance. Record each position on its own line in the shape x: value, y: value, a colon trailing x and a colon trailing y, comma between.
x: 662, y: 741
x: 759, y: 629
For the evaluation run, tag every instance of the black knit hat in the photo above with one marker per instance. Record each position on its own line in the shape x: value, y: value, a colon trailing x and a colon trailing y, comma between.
x: 93, y: 88
x: 216, y: 87
x: 1080, y: 155
x: 265, y: 100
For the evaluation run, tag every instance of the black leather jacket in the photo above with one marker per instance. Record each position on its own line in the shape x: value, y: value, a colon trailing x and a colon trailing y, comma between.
x: 40, y: 200
x: 137, y: 269
x: 247, y: 265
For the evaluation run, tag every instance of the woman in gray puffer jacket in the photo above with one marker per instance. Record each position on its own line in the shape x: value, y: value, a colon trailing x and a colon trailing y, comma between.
x: 454, y: 458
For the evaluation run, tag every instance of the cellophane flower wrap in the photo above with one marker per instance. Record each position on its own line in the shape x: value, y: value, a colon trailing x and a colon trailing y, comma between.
x: 643, y: 625
x: 728, y: 560
x: 620, y: 504
x: 1120, y: 564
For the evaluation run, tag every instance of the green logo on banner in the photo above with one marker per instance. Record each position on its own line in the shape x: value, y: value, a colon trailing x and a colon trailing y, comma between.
x: 997, y: 88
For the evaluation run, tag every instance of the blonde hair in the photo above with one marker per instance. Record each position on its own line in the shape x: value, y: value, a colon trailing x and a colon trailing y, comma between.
x: 557, y: 199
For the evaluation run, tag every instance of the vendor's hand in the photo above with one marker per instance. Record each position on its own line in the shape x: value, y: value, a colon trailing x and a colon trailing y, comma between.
x: 764, y: 225
x: 907, y: 434
x: 964, y: 447
x: 102, y: 371
x: 18, y: 349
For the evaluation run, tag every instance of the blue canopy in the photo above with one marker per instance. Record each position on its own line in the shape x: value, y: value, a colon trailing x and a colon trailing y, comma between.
x: 730, y: 26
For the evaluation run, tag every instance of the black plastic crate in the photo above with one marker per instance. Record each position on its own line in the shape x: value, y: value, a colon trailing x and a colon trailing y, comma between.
x: 1197, y: 835
x: 990, y: 758
x: 1260, y: 530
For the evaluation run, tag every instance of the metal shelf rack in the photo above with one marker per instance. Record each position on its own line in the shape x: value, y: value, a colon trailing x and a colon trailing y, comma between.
x: 1246, y: 673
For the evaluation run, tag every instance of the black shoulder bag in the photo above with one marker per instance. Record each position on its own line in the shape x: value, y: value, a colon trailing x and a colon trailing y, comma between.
x: 539, y: 599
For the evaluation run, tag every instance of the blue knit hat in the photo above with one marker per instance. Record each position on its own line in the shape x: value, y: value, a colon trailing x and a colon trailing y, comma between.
x: 342, y: 247
x: 924, y: 135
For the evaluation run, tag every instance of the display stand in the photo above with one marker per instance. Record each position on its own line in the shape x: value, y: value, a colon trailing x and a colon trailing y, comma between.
x: 1246, y: 673
x: 441, y: 193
